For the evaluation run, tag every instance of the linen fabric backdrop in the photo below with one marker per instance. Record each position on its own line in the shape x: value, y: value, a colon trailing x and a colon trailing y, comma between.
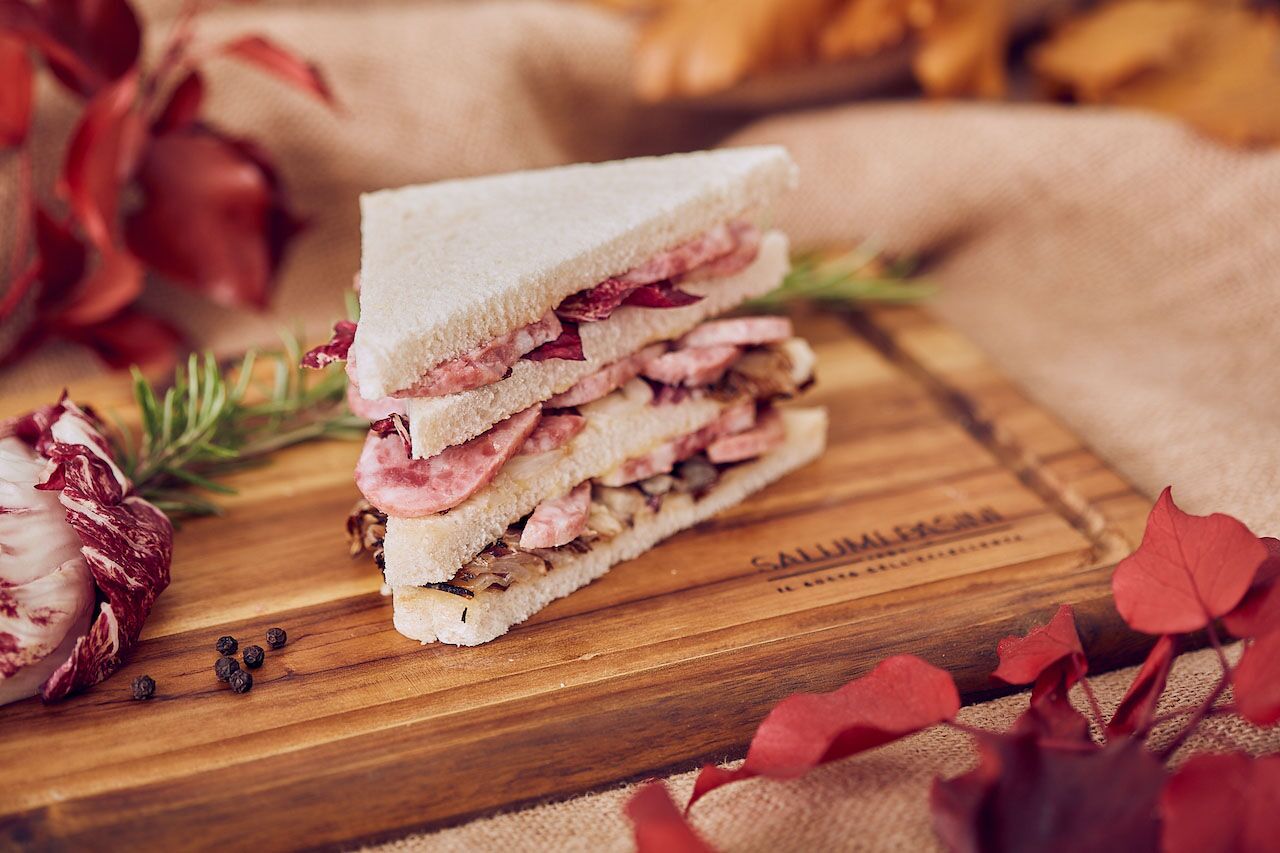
x: 1123, y: 269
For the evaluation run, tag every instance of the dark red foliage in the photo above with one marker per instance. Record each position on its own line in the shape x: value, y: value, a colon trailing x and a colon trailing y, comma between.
x: 659, y: 825
x: 1222, y: 804
x: 183, y: 108
x: 900, y: 696
x: 344, y: 333
x: 1257, y: 680
x: 1025, y: 795
x: 1138, y: 706
x: 1259, y: 611
x: 662, y: 294
x: 1023, y: 659
x: 132, y: 337
x: 1188, y: 571
x: 16, y: 91
x: 282, y: 63
x: 103, y: 34
x: 568, y: 346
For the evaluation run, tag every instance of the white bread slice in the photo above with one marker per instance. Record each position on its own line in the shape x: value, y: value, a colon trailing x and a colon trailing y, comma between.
x: 619, y: 427
x: 430, y: 615
x: 439, y: 422
x: 450, y: 265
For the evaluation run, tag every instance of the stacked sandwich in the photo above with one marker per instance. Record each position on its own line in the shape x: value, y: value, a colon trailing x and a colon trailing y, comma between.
x: 549, y: 390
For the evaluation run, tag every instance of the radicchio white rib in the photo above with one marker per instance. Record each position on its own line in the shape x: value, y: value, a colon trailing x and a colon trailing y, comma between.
x: 125, y: 546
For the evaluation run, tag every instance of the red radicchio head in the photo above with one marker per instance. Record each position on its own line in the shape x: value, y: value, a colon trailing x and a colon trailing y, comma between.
x: 82, y: 559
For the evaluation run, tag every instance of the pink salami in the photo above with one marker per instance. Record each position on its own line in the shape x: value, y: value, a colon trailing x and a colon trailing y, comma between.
x: 706, y: 247
x: 372, y: 410
x: 553, y: 431
x: 558, y: 521
x: 739, y: 331
x: 606, y: 379
x: 768, y: 433
x: 692, y: 366
x: 412, y: 488
x: 748, y: 247
x: 735, y: 418
x: 485, y: 364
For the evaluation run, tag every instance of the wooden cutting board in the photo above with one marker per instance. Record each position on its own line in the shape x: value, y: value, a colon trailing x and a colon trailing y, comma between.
x: 948, y: 512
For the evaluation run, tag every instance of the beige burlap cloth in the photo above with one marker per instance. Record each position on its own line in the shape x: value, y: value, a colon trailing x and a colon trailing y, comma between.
x: 1125, y: 271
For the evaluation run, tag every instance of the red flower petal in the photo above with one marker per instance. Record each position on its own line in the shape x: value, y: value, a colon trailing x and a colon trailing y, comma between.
x: 183, y: 106
x: 1139, y: 703
x: 900, y: 696
x: 1188, y: 571
x: 16, y: 80
x: 103, y: 34
x: 1259, y: 611
x: 1023, y: 659
x: 1257, y: 680
x: 1222, y: 803
x: 659, y: 825
x: 282, y: 63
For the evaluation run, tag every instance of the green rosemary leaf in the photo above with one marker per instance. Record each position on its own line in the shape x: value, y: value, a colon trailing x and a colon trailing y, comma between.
x: 857, y: 276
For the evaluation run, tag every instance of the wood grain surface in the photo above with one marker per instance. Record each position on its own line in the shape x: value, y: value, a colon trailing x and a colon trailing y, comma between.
x: 949, y: 511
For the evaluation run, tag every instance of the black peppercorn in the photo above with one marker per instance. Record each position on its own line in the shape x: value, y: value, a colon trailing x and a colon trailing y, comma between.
x: 241, y: 681
x: 144, y: 687
x: 225, y: 667
x: 253, y: 656
x: 276, y: 637
x: 226, y: 645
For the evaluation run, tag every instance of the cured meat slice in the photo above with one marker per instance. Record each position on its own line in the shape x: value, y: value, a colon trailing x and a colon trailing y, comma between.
x: 711, y: 244
x: 558, y: 521
x: 485, y: 364
x: 739, y: 331
x: 606, y: 379
x: 768, y: 433
x: 412, y: 488
x: 552, y: 431
x: 748, y: 237
x: 373, y: 410
x: 735, y: 418
x: 692, y: 366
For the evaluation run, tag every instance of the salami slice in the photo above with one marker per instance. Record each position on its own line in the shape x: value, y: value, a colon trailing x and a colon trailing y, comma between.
x: 412, y: 488
x: 693, y: 366
x: 748, y: 238
x: 558, y: 521
x: 768, y: 433
x: 606, y: 379
x: 485, y: 364
x: 553, y: 431
x: 739, y: 331
x: 373, y: 410
x: 735, y: 418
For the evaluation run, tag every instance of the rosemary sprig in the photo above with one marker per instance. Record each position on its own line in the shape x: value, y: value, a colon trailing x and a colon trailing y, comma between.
x: 861, y: 275
x: 214, y: 420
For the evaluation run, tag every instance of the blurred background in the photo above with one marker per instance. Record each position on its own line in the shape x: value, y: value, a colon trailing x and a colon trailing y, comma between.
x: 1092, y: 187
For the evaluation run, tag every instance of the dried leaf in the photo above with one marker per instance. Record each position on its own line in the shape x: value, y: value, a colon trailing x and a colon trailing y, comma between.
x: 1023, y: 659
x: 281, y: 63
x: 1027, y: 796
x: 1222, y: 803
x: 212, y: 218
x: 103, y: 34
x: 659, y: 825
x: 1188, y: 571
x: 1257, y: 680
x: 1259, y: 611
x: 15, y: 91
x: 183, y: 107
x: 900, y: 696
x: 100, y: 157
x: 62, y: 258
x: 1138, y: 706
x: 962, y: 50
x: 133, y: 338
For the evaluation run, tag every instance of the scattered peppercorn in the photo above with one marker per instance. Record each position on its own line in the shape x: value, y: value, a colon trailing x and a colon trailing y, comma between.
x: 276, y: 637
x: 144, y: 687
x: 253, y: 656
x: 226, y: 645
x: 225, y: 667
x: 241, y: 681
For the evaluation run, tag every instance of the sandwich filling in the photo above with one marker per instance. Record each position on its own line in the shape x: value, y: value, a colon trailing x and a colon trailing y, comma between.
x: 717, y: 253
x: 745, y: 360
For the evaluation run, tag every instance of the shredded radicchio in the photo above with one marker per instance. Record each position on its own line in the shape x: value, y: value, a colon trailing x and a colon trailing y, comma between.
x: 393, y: 424
x: 662, y: 294
x: 127, y: 543
x: 568, y: 346
x: 344, y: 332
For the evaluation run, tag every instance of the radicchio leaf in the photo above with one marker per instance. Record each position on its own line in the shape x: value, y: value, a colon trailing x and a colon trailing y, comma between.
x: 183, y: 107
x: 1138, y: 706
x: 344, y: 333
x: 1222, y: 803
x: 15, y: 92
x: 900, y: 696
x: 1025, y: 795
x: 281, y: 63
x: 659, y: 825
x: 568, y: 346
x: 104, y: 34
x: 1188, y: 571
x: 127, y: 542
x: 393, y: 424
x: 662, y: 294
x: 1259, y: 611
x: 595, y: 303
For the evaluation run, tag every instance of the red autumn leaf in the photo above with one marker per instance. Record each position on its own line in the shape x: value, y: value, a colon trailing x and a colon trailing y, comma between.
x: 1257, y: 680
x: 1188, y: 571
x: 1023, y: 659
x: 62, y: 258
x: 110, y: 287
x: 1139, y: 703
x: 212, y: 217
x: 103, y: 34
x: 900, y: 696
x: 18, y: 289
x: 183, y: 107
x: 16, y: 86
x: 132, y: 337
x: 1259, y: 611
x: 659, y: 825
x: 101, y: 155
x: 1051, y: 717
x: 1025, y: 795
x: 1221, y: 804
x: 282, y: 63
